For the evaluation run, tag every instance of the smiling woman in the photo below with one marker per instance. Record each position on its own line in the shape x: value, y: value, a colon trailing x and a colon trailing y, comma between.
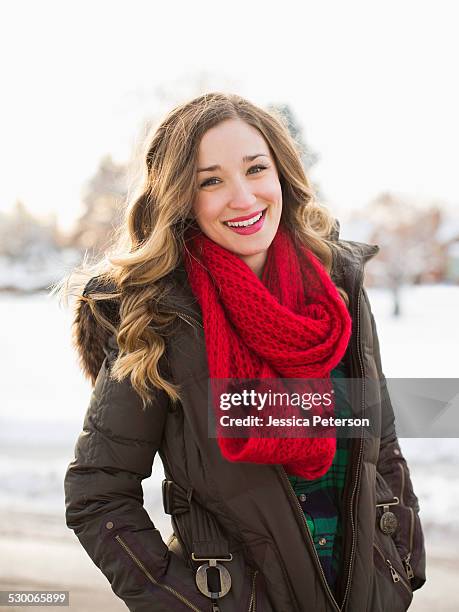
x: 233, y: 271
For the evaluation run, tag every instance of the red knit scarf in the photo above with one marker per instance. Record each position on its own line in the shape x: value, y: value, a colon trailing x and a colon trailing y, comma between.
x: 290, y: 324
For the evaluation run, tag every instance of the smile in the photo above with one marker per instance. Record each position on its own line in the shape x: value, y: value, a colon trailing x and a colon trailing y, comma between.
x: 246, y: 222
x: 247, y: 226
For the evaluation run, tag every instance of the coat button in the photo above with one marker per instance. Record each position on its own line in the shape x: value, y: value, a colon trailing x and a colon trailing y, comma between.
x: 396, y: 451
x: 302, y: 497
x: 109, y: 525
x: 322, y: 541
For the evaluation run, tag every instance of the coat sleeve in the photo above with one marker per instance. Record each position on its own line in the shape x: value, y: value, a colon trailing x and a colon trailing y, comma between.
x: 104, y: 499
x: 393, y: 471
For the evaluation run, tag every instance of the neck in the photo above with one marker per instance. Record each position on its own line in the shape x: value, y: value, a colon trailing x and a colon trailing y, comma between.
x: 256, y: 262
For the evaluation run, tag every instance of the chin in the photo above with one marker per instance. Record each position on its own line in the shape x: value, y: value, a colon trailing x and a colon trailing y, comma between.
x: 260, y: 243
x: 250, y: 250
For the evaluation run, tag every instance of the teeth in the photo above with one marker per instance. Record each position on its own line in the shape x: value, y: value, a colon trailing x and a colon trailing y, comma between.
x: 244, y: 223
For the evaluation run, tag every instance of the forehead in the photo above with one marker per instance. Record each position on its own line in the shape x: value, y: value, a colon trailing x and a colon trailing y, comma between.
x: 232, y: 136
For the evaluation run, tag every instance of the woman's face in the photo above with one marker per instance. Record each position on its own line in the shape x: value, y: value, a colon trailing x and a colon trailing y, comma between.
x: 238, y: 183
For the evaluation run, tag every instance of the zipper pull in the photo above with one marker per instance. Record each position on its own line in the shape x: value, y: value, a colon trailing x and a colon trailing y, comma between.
x: 252, y: 602
x: 393, y: 571
x: 409, y: 569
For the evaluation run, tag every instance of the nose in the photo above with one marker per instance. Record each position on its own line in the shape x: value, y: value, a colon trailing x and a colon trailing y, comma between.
x: 242, y: 197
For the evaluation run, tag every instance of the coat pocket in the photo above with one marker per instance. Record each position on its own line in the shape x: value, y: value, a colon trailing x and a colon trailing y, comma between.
x: 393, y: 591
x: 409, y: 541
x: 259, y: 601
x: 172, y: 589
x: 408, y: 536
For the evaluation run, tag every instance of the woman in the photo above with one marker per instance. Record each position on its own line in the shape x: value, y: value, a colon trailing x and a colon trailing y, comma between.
x: 232, y: 270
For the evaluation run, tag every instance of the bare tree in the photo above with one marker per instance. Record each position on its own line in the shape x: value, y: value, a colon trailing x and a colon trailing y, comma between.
x: 308, y: 156
x: 104, y: 197
x: 410, y: 253
x: 23, y: 235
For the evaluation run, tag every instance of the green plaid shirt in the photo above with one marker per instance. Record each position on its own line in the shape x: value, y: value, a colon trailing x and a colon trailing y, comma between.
x: 321, y: 498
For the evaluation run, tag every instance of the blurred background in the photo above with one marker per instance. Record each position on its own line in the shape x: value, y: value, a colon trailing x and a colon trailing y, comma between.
x: 368, y: 88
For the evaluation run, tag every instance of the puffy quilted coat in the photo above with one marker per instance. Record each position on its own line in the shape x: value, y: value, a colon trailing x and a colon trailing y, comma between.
x: 244, y: 512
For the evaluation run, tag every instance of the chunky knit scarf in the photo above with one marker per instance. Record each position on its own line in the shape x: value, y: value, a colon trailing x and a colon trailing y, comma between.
x: 291, y: 323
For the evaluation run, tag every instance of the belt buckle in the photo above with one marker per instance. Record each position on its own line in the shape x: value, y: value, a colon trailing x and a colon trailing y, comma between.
x: 202, y: 578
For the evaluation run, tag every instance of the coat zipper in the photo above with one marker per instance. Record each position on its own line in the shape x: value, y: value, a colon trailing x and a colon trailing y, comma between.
x: 145, y: 571
x: 359, y: 460
x: 356, y: 488
x: 395, y: 575
x: 309, y: 537
x: 406, y: 560
x: 253, y: 601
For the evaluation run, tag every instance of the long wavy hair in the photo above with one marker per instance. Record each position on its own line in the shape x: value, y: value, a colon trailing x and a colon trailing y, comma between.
x: 149, y: 243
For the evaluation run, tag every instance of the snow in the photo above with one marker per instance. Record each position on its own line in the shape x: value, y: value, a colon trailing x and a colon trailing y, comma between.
x: 43, y: 398
x: 37, y: 269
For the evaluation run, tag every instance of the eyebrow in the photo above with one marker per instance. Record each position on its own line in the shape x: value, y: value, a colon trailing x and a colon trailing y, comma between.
x: 246, y: 158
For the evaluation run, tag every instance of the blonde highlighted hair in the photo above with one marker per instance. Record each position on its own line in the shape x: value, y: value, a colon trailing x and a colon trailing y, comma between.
x: 149, y: 243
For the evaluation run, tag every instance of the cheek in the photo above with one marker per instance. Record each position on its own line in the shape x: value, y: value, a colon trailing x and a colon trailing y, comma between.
x: 207, y: 207
x: 201, y: 207
x: 272, y: 192
x: 197, y: 206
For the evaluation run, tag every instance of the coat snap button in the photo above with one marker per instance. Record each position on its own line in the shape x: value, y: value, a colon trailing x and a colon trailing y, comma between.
x: 322, y: 541
x: 109, y: 525
x: 396, y: 451
x: 302, y: 497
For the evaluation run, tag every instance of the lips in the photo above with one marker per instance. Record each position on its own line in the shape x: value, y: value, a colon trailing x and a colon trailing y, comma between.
x: 245, y: 218
x: 251, y: 227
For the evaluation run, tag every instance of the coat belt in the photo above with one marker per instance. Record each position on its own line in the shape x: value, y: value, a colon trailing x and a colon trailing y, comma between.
x: 208, y: 542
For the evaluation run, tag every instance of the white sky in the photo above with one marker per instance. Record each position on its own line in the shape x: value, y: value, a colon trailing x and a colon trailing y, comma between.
x: 373, y: 84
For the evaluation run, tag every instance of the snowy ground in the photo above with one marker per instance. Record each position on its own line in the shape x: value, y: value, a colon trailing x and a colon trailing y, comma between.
x: 43, y: 398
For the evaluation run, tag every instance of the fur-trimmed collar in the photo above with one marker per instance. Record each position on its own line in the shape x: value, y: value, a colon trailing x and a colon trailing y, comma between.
x: 89, y: 337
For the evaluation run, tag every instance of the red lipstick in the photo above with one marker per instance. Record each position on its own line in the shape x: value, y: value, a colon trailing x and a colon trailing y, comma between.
x: 257, y: 212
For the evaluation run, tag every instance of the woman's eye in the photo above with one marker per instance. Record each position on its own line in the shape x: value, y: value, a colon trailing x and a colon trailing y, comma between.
x: 208, y: 182
x: 259, y: 168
